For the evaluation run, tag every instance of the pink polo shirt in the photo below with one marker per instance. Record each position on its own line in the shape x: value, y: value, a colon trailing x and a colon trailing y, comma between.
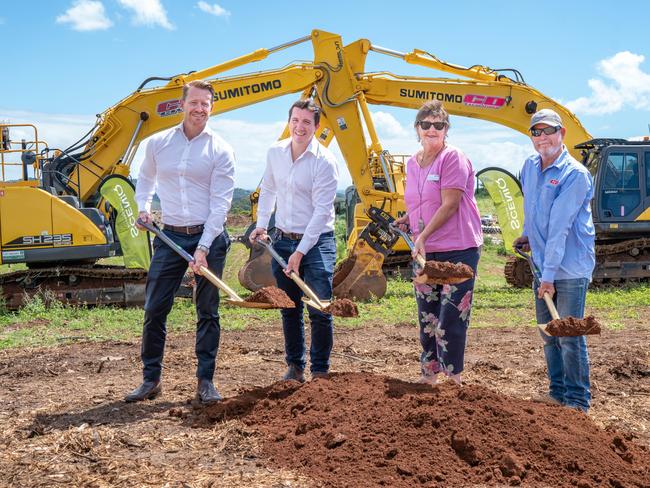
x: 451, y: 169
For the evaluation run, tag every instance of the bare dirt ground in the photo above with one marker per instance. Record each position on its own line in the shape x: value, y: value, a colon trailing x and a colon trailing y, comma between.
x: 64, y: 423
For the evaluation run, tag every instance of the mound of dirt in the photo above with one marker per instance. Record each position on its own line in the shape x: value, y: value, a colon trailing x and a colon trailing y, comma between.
x: 571, y: 326
x: 631, y: 366
x: 359, y: 429
x: 342, y: 307
x: 272, y: 295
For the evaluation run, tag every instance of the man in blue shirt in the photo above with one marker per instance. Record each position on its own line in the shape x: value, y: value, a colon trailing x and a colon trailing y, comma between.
x: 559, y: 231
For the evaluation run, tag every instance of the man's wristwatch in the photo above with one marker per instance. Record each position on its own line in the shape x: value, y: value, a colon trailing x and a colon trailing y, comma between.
x: 203, y: 248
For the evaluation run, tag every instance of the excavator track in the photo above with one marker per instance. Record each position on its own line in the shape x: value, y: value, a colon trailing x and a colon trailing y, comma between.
x: 517, y: 272
x: 622, y: 262
x: 78, y: 285
x: 618, y: 263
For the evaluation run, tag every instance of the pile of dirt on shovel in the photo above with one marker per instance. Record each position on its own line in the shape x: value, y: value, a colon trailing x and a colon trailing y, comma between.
x: 359, y: 429
x: 342, y: 307
x: 442, y: 269
x: 571, y: 326
x: 273, y: 295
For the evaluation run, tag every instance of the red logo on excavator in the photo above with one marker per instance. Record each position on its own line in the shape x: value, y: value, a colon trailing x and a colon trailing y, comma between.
x: 484, y: 101
x: 170, y: 107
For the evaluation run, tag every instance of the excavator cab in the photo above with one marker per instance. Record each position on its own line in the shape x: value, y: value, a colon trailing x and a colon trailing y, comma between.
x: 623, y: 187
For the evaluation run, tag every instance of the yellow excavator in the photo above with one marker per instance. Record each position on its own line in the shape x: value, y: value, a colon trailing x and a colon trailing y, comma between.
x: 621, y: 168
x: 58, y: 224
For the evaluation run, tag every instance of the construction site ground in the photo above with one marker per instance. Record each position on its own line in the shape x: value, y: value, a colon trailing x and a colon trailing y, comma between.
x: 64, y: 422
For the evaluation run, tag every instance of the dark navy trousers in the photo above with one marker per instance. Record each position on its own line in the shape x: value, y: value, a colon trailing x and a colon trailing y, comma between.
x: 165, y: 275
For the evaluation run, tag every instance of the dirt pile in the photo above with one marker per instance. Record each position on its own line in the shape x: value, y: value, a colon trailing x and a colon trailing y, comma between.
x: 272, y: 295
x: 359, y: 429
x: 571, y: 326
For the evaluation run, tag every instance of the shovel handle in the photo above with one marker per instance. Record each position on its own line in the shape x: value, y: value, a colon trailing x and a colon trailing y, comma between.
x: 294, y: 276
x: 308, y: 291
x: 214, y: 279
x: 551, y: 306
x: 409, y: 242
x: 210, y: 276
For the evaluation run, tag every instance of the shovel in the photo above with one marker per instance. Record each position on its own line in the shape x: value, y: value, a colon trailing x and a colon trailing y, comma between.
x: 233, y: 299
x: 588, y: 325
x: 547, y: 298
x: 313, y: 300
x: 340, y: 307
x: 421, y: 263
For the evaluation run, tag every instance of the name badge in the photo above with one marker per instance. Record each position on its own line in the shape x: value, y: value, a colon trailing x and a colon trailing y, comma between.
x: 433, y: 177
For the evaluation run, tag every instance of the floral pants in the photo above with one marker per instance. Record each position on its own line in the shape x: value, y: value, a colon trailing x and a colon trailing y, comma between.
x: 443, y: 313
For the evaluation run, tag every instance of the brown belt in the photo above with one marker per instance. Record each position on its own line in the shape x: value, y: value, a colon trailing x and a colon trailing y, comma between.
x: 290, y: 235
x: 185, y: 229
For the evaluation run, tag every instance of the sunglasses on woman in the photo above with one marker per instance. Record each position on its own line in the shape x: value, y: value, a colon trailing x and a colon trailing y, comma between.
x: 426, y: 125
x: 546, y: 130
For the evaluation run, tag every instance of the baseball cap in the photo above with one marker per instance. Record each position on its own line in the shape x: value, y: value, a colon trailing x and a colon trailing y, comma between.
x: 546, y: 116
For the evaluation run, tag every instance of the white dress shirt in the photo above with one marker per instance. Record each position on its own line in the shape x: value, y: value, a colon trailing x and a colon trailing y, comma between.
x: 194, y: 179
x: 302, y: 190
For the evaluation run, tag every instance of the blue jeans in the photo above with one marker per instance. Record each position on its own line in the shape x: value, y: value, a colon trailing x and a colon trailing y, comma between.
x: 316, y: 270
x: 567, y: 359
x: 163, y: 279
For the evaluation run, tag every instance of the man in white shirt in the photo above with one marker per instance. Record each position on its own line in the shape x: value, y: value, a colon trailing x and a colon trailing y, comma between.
x: 300, y: 181
x: 192, y: 169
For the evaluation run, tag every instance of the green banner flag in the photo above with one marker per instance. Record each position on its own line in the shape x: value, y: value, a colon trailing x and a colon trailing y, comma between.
x: 505, y: 191
x: 119, y: 192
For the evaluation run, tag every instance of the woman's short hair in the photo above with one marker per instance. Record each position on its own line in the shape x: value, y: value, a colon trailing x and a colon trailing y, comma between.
x: 432, y: 108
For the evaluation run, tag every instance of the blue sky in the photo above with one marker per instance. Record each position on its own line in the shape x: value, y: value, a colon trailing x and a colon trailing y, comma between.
x: 66, y: 60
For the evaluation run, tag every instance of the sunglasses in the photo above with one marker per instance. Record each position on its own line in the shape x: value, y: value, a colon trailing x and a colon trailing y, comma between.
x: 546, y: 130
x: 426, y: 125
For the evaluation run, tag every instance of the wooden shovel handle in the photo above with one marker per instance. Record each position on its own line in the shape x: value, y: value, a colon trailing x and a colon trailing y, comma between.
x: 551, y: 306
x: 308, y: 291
x: 214, y: 279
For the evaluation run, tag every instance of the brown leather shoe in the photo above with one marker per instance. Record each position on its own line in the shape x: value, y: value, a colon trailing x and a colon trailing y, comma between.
x: 294, y: 373
x: 206, y: 392
x: 148, y: 390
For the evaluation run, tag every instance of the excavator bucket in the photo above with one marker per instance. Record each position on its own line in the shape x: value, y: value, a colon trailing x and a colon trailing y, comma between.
x: 359, y: 277
x: 256, y: 272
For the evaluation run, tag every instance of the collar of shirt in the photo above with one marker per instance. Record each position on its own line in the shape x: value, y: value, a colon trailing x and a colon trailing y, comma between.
x: 558, y: 163
x: 206, y: 130
x: 313, y: 147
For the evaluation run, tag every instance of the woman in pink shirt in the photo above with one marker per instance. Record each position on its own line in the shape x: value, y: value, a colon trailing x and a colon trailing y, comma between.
x: 444, y: 220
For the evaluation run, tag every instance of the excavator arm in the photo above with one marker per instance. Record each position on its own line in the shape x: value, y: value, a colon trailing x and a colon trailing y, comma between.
x: 112, y: 145
x: 503, y: 102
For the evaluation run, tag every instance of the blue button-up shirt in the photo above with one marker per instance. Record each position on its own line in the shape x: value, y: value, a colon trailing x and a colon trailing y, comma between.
x: 558, y: 220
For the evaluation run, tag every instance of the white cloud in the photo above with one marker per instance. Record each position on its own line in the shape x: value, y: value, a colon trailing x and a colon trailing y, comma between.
x: 625, y: 85
x: 148, y: 12
x: 214, y: 9
x: 86, y: 15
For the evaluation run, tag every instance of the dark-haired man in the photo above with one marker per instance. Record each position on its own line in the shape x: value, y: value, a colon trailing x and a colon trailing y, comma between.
x: 300, y: 182
x: 193, y: 171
